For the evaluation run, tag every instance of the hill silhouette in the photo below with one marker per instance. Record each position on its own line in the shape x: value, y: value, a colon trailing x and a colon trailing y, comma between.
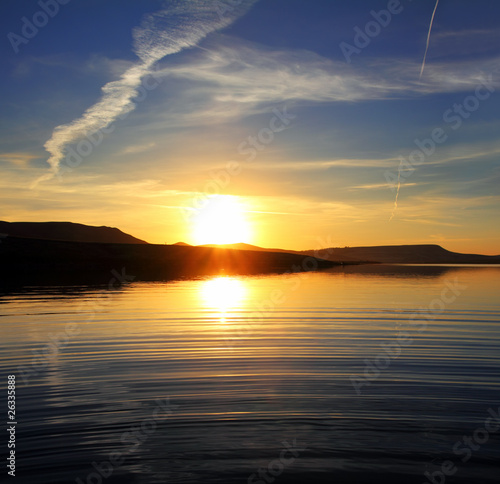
x: 243, y: 246
x: 46, y: 262
x: 403, y: 254
x: 69, y: 253
x: 385, y: 254
x: 67, y: 231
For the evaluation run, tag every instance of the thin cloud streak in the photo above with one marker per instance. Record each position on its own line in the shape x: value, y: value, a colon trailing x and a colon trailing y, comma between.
x: 20, y: 159
x: 377, y: 186
x: 325, y: 164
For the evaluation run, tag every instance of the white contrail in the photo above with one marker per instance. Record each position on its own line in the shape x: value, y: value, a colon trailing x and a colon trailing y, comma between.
x: 428, y: 39
x: 397, y: 192
x: 180, y: 25
x: 421, y: 72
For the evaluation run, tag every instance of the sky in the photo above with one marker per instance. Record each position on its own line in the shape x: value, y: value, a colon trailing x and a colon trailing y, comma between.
x: 309, y: 122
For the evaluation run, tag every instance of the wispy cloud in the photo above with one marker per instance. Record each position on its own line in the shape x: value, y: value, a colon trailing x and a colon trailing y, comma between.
x: 182, y: 24
x: 139, y: 148
x: 229, y: 78
x: 315, y: 165
x: 440, y: 222
x: 376, y: 186
x: 459, y: 43
x: 251, y: 74
x: 19, y: 159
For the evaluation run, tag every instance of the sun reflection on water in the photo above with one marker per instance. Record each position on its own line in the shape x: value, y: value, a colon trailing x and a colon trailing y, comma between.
x: 223, y: 294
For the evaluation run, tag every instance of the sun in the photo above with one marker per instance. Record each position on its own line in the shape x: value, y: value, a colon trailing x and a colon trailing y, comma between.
x: 222, y: 220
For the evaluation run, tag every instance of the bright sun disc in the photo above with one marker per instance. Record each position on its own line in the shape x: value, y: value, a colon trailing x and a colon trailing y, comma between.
x: 221, y: 221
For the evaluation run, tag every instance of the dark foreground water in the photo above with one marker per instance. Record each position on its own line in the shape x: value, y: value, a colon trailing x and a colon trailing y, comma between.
x: 357, y: 375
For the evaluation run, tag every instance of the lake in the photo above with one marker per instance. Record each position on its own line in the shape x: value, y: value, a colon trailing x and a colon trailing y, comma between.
x: 359, y: 374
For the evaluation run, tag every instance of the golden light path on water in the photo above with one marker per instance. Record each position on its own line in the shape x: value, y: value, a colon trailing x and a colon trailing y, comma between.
x: 223, y: 294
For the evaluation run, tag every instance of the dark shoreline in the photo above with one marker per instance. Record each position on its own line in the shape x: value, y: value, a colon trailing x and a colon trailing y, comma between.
x: 47, y: 262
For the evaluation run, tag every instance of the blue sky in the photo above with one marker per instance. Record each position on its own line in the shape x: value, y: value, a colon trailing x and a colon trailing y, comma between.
x: 186, y: 83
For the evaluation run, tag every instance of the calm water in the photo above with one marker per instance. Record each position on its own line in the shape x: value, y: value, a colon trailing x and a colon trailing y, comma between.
x: 300, y: 376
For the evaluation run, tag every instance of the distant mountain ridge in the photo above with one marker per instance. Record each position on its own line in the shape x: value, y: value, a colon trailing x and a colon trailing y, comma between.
x: 68, y: 231
x: 388, y: 254
x: 403, y: 254
x: 243, y: 246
